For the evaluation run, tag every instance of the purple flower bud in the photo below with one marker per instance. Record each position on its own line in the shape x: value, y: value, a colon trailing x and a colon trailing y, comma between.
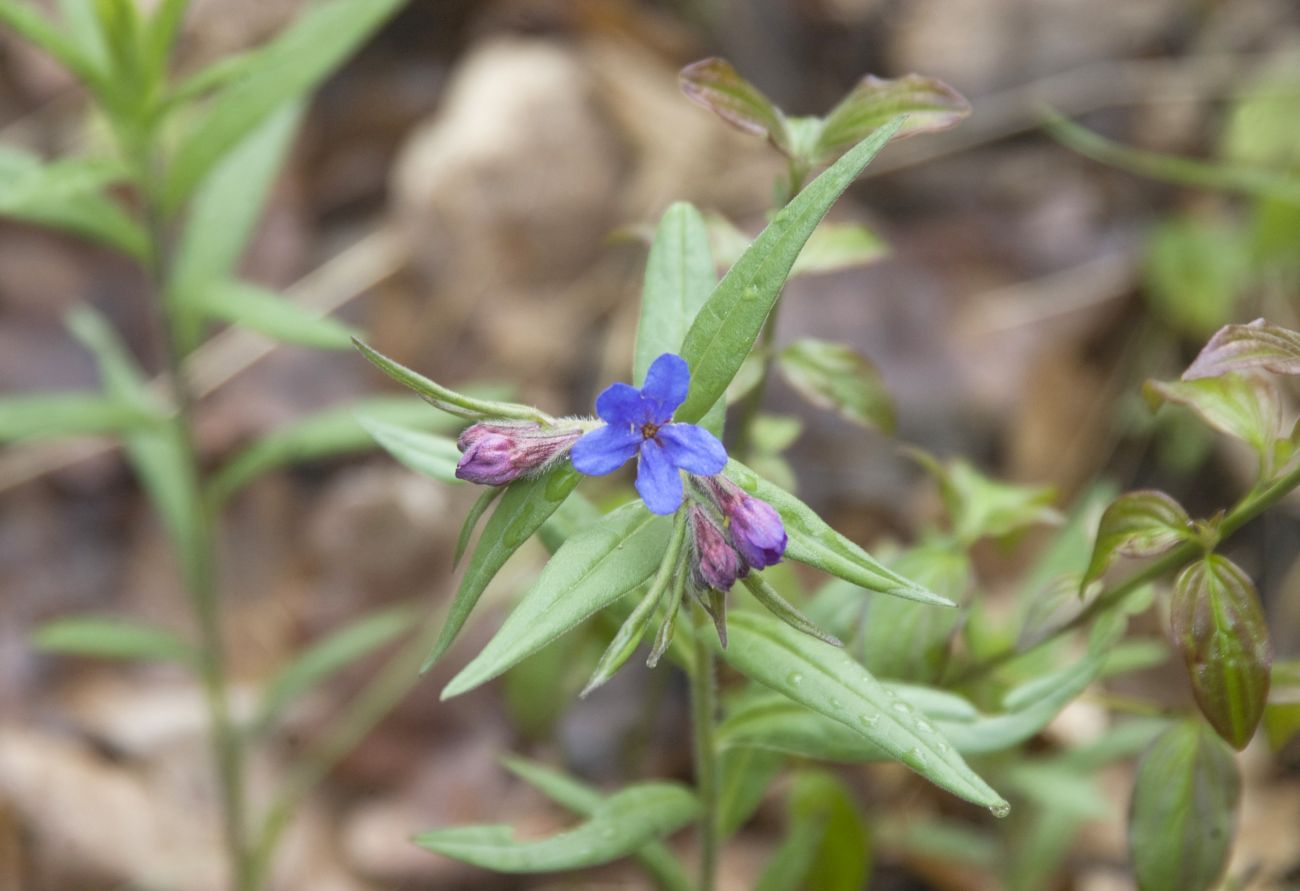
x: 500, y: 453
x: 715, y: 562
x: 755, y: 526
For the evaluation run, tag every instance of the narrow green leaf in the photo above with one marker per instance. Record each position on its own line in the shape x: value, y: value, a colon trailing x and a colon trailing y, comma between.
x: 67, y: 414
x: 813, y: 542
x: 1244, y: 347
x: 1145, y: 523
x: 449, y: 400
x: 326, y: 658
x: 425, y: 453
x: 110, y: 638
x: 163, y: 27
x: 476, y: 511
x: 778, y: 606
x: 842, y: 859
x: 1184, y: 811
x: 589, y: 572
x: 271, y: 314
x: 526, y: 505
x: 82, y: 27
x: 929, y: 103
x: 715, y: 85
x: 634, y: 627
x: 659, y: 862
x: 831, y: 248
x: 745, y: 773
x: 679, y: 276
x: 836, y: 377
x: 788, y: 867
x: 36, y: 29
x: 909, y: 641
x: 68, y: 195
x: 294, y: 64
x: 333, y: 432
x: 1245, y: 406
x: 830, y: 683
x: 1254, y: 181
x: 1218, y: 625
x: 730, y: 321
x: 618, y: 826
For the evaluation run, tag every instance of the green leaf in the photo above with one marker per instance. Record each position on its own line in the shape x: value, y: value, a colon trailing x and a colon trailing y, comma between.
x: 827, y: 846
x: 1219, y: 628
x: 1245, y: 347
x: 1145, y: 523
x: 81, y: 25
x: 714, y: 84
x: 834, y: 376
x: 983, y: 507
x: 618, y: 826
x: 109, y: 638
x: 68, y: 195
x: 813, y: 542
x: 657, y: 860
x: 294, y: 64
x: 679, y: 276
x: 1195, y: 272
x: 1254, y: 181
x: 475, y: 513
x: 526, y: 505
x: 730, y: 321
x: 589, y: 572
x: 1282, y: 713
x: 830, y: 683
x: 275, y: 316
x: 327, y: 657
x: 160, y: 34
x: 1245, y: 406
x: 745, y: 775
x: 929, y: 103
x: 778, y: 606
x: 831, y: 248
x: 909, y: 641
x: 1184, y: 811
x: 38, y: 30
x: 55, y: 415
x: 221, y: 220
x: 425, y: 453
x: 791, y: 862
x: 466, y: 406
x: 335, y: 431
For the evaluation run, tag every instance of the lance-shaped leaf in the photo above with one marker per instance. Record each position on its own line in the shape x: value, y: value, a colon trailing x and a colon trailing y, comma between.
x: 449, y: 400
x: 679, y: 276
x: 830, y: 683
x: 832, y: 246
x: 1137, y: 524
x: 1243, y: 347
x: 980, y: 506
x: 618, y: 826
x: 836, y: 377
x: 1245, y: 406
x: 714, y: 84
x: 112, y: 638
x: 277, y: 317
x: 908, y: 641
x: 1183, y: 814
x: 53, y: 415
x: 778, y: 606
x: 470, y: 523
x: 425, y: 453
x: 731, y: 319
x: 527, y: 504
x: 589, y: 572
x: 929, y: 103
x: 654, y: 857
x: 813, y: 542
x: 776, y: 723
x: 826, y: 846
x: 1219, y: 628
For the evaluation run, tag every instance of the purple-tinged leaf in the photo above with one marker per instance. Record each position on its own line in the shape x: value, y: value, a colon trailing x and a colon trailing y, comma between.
x: 1218, y: 626
x: 1241, y: 347
x: 1183, y: 815
x: 929, y: 103
x: 1137, y: 524
x: 1245, y: 406
x: 714, y: 84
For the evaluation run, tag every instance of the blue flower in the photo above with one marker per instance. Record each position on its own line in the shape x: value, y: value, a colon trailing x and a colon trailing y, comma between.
x: 640, y: 421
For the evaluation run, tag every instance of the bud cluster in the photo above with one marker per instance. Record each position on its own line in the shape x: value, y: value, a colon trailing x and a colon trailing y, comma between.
x: 500, y: 452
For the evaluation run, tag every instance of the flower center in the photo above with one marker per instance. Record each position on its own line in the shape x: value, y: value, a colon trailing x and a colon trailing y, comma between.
x: 649, y: 430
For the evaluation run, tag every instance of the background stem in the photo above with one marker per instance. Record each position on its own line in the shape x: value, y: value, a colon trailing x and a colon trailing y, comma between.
x: 703, y: 715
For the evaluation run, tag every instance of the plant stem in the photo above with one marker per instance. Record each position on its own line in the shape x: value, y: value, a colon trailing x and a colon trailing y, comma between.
x: 1254, y: 504
x: 198, y: 552
x: 703, y: 715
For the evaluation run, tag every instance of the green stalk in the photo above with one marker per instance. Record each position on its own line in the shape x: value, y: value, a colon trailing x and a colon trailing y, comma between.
x: 1254, y: 504
x: 703, y: 715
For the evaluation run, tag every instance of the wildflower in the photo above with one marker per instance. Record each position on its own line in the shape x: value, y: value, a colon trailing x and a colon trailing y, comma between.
x: 639, y: 422
x: 497, y: 453
x: 754, y: 525
x: 714, y: 562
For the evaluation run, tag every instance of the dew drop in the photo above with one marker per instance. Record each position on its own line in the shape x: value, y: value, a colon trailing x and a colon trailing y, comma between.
x: 941, y: 745
x: 925, y: 726
x: 835, y: 703
x: 1000, y: 810
x: 871, y: 720
x: 902, y: 707
x: 751, y: 293
x: 796, y: 679
x: 916, y: 758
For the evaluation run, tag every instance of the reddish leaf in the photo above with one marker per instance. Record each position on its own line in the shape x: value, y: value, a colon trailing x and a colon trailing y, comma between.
x: 929, y: 103
x: 1242, y: 347
x: 1137, y: 524
x: 714, y: 84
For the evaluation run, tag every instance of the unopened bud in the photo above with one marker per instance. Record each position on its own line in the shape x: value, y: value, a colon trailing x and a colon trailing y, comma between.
x: 715, y: 563
x: 755, y: 526
x: 500, y: 453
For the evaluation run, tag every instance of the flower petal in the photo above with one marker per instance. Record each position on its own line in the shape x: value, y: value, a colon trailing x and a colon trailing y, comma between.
x: 693, y: 449
x: 665, y: 386
x: 657, y: 479
x: 604, y: 449
x: 621, y: 404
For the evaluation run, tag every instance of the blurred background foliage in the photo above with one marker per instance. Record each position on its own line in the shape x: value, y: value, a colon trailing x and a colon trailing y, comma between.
x: 470, y: 190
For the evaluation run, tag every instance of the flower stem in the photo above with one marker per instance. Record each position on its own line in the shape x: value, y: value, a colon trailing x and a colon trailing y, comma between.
x: 703, y: 715
x: 1255, y: 503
